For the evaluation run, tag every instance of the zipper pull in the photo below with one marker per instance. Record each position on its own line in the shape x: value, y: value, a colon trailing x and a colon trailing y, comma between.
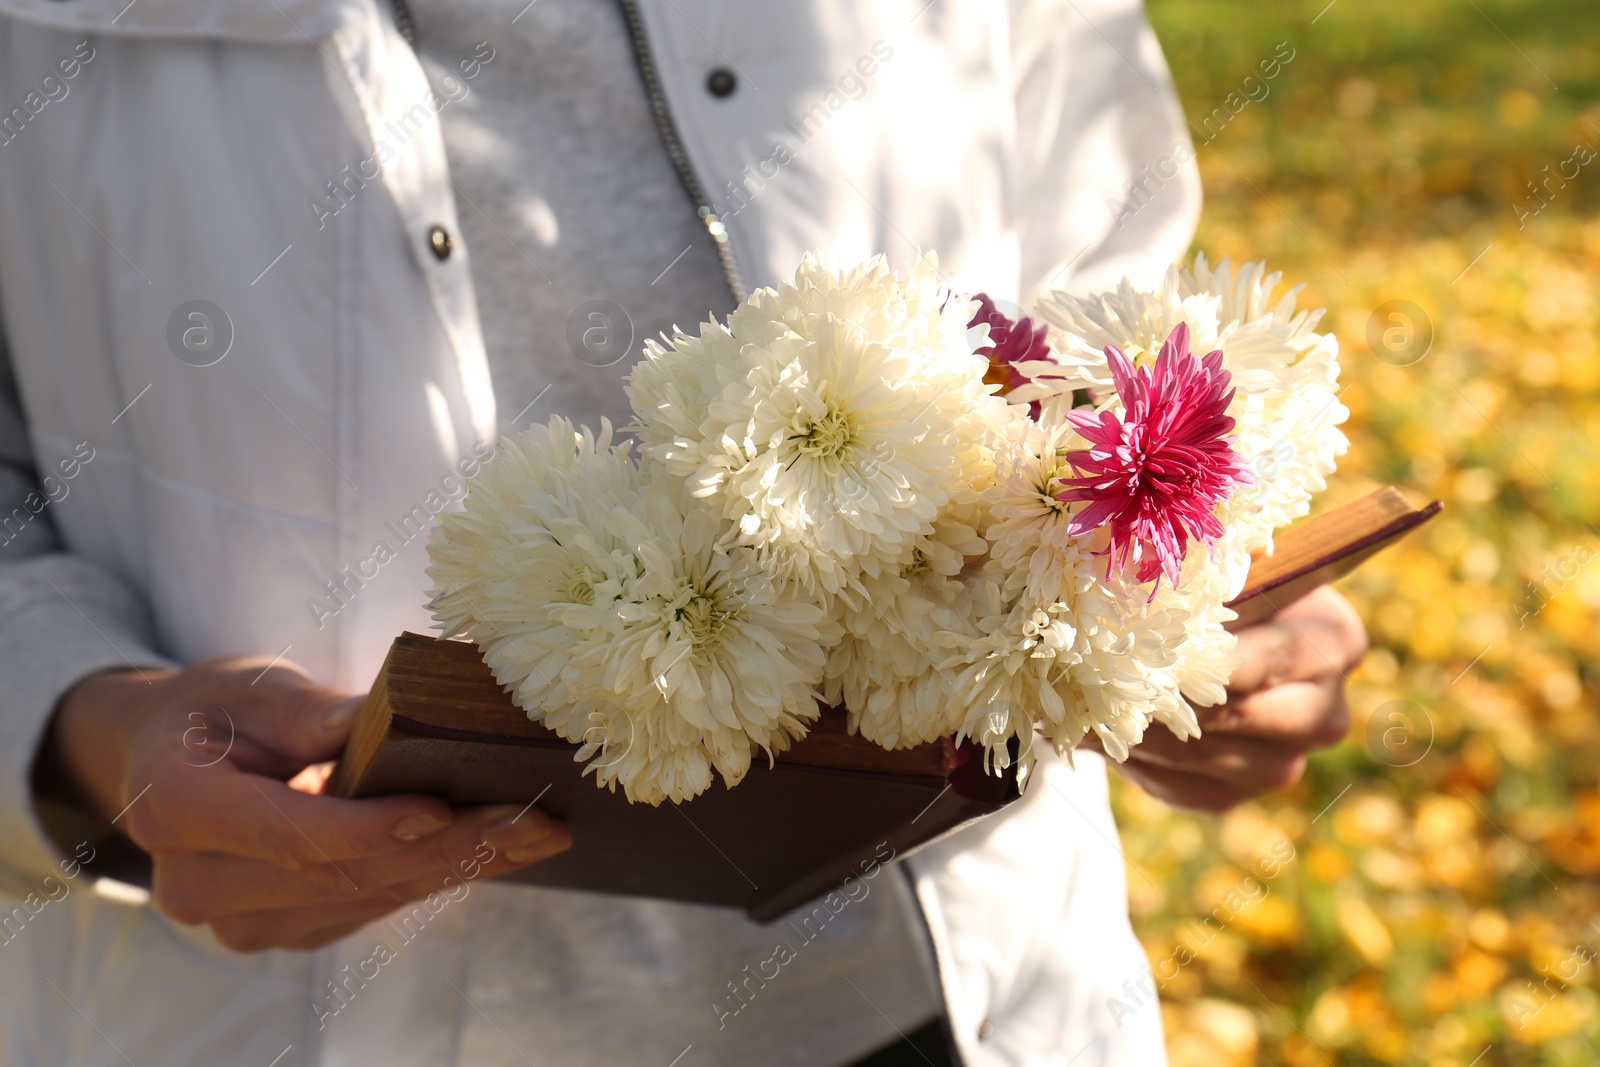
x: 403, y: 22
x: 713, y: 225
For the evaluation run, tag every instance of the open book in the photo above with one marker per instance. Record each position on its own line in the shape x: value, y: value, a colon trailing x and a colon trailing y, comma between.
x: 1324, y: 549
x: 831, y: 807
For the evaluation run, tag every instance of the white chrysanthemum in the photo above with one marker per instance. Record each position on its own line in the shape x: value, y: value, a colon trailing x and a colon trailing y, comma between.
x: 602, y: 602
x: 829, y: 420
x: 1285, y: 375
x: 885, y: 670
x: 534, y: 520
x: 1209, y: 579
x: 1064, y: 648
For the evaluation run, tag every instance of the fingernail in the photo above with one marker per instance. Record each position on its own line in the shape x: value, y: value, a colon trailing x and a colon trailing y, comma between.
x: 517, y: 835
x: 341, y: 714
x: 557, y: 840
x: 421, y: 824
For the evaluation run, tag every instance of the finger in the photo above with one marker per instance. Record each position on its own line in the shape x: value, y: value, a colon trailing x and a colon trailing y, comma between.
x: 1247, y: 763
x: 1193, y: 791
x: 1319, y: 634
x: 272, y: 707
x: 417, y: 902
x: 1331, y: 623
x: 1306, y: 715
x: 1270, y: 651
x: 263, y: 733
x: 199, y: 888
x: 503, y: 839
x: 292, y: 716
x: 223, y: 809
x: 302, y: 929
x: 321, y: 936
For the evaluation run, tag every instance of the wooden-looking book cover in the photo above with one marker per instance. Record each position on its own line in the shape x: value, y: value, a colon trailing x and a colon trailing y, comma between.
x: 437, y: 722
x: 1324, y: 549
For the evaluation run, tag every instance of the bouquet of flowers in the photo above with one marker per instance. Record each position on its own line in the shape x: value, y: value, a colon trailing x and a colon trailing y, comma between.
x: 865, y: 490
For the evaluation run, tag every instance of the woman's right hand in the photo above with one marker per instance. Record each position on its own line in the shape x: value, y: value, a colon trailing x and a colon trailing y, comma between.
x: 216, y: 771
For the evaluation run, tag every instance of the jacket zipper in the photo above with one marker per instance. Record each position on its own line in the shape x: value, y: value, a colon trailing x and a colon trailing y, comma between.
x: 665, y: 126
x: 924, y: 929
x: 674, y: 146
x: 403, y: 22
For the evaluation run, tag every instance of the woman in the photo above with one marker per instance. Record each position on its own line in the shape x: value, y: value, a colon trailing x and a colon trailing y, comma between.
x: 234, y: 265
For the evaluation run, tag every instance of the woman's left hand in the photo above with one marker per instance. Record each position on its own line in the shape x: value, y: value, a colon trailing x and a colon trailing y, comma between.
x: 1286, y: 699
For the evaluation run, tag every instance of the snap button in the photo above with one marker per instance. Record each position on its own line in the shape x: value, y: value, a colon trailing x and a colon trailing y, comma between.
x: 985, y: 1030
x: 439, y: 240
x: 721, y: 82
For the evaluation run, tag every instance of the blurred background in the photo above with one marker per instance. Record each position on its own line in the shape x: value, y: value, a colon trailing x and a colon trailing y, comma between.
x: 1431, y: 170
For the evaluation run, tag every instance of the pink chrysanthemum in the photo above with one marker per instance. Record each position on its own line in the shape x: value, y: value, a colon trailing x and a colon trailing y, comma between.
x: 1010, y: 342
x: 1157, y: 474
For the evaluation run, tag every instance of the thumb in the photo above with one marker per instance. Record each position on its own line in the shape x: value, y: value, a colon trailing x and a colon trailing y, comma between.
x: 1270, y: 650
x: 294, y: 717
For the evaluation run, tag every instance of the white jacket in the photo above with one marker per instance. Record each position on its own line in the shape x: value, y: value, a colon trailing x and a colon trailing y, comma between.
x: 162, y: 152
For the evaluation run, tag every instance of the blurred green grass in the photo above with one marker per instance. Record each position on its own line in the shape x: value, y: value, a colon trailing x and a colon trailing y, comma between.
x: 1441, y: 899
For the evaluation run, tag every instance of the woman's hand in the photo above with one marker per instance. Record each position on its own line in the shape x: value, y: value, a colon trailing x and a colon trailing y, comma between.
x: 213, y: 771
x: 1285, y: 700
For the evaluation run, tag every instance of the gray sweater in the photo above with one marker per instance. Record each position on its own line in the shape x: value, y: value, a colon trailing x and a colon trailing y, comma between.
x: 566, y: 198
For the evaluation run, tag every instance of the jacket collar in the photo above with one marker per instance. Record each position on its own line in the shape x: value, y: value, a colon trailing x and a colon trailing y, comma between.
x: 264, y: 21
